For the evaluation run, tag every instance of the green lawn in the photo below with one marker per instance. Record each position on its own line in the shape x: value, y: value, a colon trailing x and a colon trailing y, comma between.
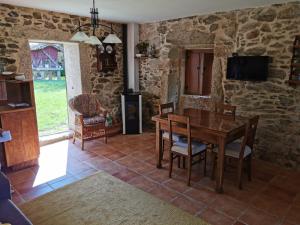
x: 51, y: 106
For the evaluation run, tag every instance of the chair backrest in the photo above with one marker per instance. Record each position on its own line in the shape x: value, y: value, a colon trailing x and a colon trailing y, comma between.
x: 86, y: 104
x: 249, y: 137
x: 182, y: 123
x: 164, y: 109
x: 225, y: 109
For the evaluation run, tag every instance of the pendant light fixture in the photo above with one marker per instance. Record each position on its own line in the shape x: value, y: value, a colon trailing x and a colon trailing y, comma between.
x: 80, y: 36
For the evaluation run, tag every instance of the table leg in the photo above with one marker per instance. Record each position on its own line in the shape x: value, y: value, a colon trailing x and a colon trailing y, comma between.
x: 158, y: 145
x: 221, y: 156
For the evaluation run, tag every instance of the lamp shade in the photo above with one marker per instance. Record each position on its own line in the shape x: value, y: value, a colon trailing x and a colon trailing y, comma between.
x: 80, y: 36
x: 112, y: 39
x: 93, y: 40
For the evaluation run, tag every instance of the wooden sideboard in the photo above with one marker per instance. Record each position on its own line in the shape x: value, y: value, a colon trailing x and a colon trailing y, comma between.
x: 23, y: 150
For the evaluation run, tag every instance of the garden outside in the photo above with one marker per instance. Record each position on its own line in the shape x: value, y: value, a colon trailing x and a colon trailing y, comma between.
x: 51, y: 106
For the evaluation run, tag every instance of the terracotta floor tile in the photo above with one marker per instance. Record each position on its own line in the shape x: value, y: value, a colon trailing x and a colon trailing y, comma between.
x: 215, y: 218
x: 97, y: 162
x: 254, y: 216
x: 126, y: 148
x: 293, y: 215
x: 243, y: 195
x: 63, y: 182
x: 287, y: 223
x: 103, y: 150
x: 128, y: 161
x: 176, y: 185
x: 289, y: 184
x: 142, y: 155
x: 153, y: 160
x: 163, y: 193
x: 159, y: 175
x: 273, y: 194
x: 201, y: 194
x: 143, y: 183
x: 36, y: 192
x: 297, y: 200
x: 271, y: 205
x: 115, y: 155
x: 66, y: 176
x: 78, y: 168
x: 279, y: 193
x: 86, y: 173
x: 84, y: 155
x: 207, y: 183
x: 239, y: 223
x: 126, y: 175
x: 229, y: 206
x: 264, y: 176
x: 21, y: 176
x: 24, y: 187
x: 17, y: 198
x: 188, y: 205
x: 111, y: 167
x: 143, y: 168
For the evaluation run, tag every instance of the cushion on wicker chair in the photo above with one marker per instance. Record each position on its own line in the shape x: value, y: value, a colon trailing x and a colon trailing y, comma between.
x: 86, y: 104
x: 93, y: 120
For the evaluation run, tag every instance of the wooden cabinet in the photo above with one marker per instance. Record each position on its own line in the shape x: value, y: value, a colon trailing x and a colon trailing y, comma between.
x: 198, y: 72
x: 24, y: 146
x: 23, y: 150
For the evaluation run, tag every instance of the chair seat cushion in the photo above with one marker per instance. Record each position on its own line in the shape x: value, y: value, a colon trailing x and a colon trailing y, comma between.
x: 233, y: 150
x: 182, y: 147
x: 166, y: 135
x: 93, y: 120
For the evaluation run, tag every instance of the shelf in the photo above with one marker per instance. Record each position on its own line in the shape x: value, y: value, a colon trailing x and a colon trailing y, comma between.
x: 7, y: 109
x: 18, y: 81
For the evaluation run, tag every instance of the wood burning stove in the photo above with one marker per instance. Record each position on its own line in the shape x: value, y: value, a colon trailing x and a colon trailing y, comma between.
x: 132, y: 113
x: 131, y: 100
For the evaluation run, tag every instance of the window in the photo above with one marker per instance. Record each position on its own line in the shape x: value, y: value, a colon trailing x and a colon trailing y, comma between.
x: 198, y: 72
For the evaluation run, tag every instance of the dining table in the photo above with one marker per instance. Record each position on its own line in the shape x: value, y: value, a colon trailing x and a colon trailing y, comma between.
x: 206, y: 126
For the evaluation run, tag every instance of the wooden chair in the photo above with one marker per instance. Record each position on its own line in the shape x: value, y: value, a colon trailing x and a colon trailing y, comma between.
x: 164, y: 110
x: 240, y: 150
x: 225, y: 109
x: 89, y: 118
x: 187, y: 149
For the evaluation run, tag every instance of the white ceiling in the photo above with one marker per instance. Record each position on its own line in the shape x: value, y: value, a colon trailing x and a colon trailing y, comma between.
x: 141, y: 11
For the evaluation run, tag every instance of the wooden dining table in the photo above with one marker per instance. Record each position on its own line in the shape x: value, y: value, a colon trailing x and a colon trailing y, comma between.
x: 206, y: 126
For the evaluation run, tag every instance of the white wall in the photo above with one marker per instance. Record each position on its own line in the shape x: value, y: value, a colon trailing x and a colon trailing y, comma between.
x: 133, y: 66
x: 73, y: 75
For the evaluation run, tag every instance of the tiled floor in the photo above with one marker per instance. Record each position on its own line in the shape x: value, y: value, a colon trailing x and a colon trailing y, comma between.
x: 273, y: 196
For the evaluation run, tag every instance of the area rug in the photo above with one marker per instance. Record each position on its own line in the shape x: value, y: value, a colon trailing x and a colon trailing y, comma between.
x: 102, y: 199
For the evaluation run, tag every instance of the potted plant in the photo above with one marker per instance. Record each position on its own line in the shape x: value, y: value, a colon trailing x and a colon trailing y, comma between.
x: 143, y: 47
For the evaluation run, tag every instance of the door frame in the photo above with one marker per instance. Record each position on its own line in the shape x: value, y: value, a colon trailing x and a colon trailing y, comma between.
x: 70, y: 113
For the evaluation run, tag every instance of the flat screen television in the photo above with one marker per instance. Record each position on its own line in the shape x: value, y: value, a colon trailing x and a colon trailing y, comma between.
x: 251, y: 68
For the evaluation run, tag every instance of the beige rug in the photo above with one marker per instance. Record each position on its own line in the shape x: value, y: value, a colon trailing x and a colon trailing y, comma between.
x: 102, y: 199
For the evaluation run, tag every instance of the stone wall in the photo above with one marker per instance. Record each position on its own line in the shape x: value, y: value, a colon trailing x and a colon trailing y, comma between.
x: 18, y: 25
x: 258, y: 31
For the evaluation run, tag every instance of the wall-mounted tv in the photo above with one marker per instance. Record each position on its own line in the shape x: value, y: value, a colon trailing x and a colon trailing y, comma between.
x: 251, y: 68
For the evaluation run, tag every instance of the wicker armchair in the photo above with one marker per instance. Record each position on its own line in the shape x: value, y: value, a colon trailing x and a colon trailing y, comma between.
x: 89, y: 118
